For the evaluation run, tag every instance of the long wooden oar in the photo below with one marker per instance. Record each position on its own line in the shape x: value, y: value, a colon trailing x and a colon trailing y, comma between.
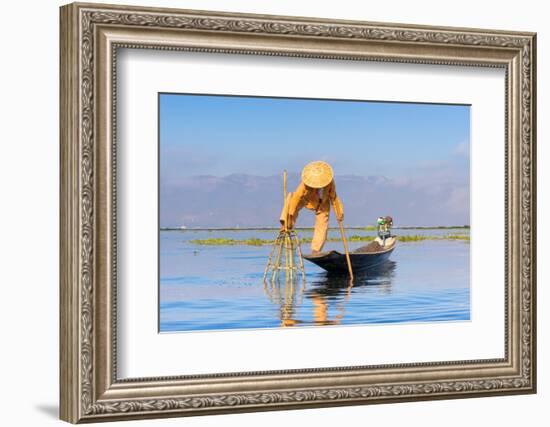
x: 346, y: 249
x: 344, y: 240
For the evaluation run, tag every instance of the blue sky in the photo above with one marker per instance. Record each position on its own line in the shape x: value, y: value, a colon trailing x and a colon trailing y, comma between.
x: 220, y: 135
x: 412, y: 144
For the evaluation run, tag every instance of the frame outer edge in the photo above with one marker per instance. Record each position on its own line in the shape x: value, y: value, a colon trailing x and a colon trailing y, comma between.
x: 533, y: 112
x: 527, y: 240
x: 77, y: 227
x: 304, y: 19
x: 69, y: 355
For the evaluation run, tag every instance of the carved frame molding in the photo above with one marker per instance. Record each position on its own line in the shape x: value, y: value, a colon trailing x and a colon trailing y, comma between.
x: 90, y: 37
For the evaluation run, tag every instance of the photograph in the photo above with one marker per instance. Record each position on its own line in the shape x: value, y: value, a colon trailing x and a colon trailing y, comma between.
x: 297, y: 212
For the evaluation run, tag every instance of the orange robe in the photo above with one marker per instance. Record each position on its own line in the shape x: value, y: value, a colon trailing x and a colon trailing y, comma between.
x: 317, y: 200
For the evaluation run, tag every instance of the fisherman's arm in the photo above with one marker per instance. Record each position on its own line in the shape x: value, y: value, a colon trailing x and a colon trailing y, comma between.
x: 336, y: 202
x: 295, y: 204
x: 338, y: 208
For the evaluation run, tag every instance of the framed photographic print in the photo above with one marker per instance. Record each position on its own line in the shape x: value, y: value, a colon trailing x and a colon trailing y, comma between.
x: 267, y: 212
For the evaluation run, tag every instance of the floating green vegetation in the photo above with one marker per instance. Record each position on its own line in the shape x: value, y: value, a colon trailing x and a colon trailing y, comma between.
x: 231, y: 242
x: 417, y: 238
x: 354, y: 238
x: 465, y: 237
x: 422, y: 237
x: 434, y: 227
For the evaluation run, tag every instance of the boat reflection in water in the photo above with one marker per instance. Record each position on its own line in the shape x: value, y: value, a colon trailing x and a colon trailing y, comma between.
x: 327, y: 295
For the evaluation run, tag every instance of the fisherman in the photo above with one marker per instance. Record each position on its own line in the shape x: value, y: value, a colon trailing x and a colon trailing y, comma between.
x: 384, y: 228
x: 316, y: 192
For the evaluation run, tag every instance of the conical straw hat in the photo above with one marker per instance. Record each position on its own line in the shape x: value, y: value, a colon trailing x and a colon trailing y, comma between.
x: 317, y: 174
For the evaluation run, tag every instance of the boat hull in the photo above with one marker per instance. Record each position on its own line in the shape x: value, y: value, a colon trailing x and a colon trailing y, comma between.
x: 335, y: 262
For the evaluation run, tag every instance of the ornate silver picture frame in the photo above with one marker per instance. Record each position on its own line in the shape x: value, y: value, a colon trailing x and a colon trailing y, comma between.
x: 91, y: 35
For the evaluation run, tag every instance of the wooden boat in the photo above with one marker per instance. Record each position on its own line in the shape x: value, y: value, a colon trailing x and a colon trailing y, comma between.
x: 361, y: 260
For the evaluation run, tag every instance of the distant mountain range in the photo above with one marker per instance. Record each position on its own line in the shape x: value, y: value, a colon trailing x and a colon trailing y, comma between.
x: 241, y: 200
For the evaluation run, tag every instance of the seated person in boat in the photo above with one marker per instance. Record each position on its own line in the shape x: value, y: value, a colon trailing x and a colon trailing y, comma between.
x: 385, y: 237
x: 317, y: 192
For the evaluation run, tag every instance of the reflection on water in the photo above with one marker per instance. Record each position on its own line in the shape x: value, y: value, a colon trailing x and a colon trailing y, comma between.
x: 328, y: 293
x: 221, y: 287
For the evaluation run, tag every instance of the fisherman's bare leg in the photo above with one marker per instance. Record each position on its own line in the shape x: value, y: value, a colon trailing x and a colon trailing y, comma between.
x: 321, y: 229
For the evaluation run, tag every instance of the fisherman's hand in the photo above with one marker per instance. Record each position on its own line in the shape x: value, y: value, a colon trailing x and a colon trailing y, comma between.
x: 290, y: 222
x: 286, y: 225
x: 340, y: 216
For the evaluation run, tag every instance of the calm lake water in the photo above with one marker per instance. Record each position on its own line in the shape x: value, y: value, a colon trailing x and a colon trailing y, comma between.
x: 221, y: 287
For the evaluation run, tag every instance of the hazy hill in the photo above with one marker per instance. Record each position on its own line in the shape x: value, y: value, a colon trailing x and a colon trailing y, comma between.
x: 247, y: 201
